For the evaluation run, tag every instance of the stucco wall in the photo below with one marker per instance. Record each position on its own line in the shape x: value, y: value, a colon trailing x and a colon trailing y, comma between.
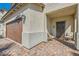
x: 2, y: 24
x: 34, y: 26
x: 1, y: 29
x: 49, y: 24
x: 37, y: 27
x: 37, y: 21
x: 34, y: 30
x: 69, y: 25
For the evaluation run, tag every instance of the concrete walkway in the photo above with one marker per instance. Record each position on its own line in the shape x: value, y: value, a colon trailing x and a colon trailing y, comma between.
x: 51, y: 48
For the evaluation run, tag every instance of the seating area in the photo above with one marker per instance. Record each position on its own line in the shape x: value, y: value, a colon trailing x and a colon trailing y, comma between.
x: 69, y: 36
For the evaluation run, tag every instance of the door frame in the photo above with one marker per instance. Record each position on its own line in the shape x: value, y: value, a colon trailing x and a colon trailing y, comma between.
x: 63, y: 29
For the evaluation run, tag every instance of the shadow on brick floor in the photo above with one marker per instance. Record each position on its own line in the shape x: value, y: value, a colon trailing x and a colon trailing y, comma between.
x: 67, y: 43
x: 75, y: 54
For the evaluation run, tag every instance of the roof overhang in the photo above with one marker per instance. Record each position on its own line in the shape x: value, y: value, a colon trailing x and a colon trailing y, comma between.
x: 18, y: 6
x: 63, y: 12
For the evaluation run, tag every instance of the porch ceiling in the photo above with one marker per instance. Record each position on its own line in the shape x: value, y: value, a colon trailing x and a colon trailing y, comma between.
x: 63, y: 12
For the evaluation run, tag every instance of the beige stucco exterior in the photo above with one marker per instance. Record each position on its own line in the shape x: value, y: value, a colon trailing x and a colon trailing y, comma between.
x: 69, y: 24
x: 34, y: 25
x: 40, y: 21
x: 33, y: 28
x: 1, y: 23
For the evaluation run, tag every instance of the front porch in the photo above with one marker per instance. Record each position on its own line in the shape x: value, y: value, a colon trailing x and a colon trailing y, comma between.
x: 62, y: 25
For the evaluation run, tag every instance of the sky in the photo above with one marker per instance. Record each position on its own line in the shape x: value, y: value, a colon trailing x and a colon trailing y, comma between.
x: 7, y: 6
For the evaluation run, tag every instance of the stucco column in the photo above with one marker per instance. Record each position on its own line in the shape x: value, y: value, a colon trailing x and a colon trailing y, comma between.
x: 34, y: 27
x: 77, y: 28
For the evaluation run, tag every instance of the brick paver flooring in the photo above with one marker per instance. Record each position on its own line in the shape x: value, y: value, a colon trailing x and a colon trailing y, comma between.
x: 13, y: 48
x: 50, y: 48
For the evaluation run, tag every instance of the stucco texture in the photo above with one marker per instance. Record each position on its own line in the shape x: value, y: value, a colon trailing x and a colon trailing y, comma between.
x: 69, y: 24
